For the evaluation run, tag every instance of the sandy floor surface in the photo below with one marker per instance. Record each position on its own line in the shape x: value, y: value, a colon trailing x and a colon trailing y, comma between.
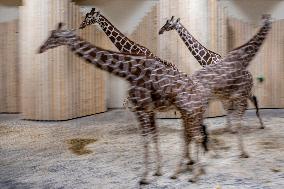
x: 49, y: 154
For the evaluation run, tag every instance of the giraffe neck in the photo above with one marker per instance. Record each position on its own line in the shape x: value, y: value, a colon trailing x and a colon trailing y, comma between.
x: 122, y: 43
x: 201, y: 54
x: 246, y: 52
x: 122, y: 65
x: 125, y: 45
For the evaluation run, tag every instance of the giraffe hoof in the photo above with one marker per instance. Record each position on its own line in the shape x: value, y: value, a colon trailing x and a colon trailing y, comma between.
x: 191, y: 162
x: 143, y: 182
x: 157, y: 174
x: 192, y: 180
x: 173, y: 177
x: 244, y: 155
x: 262, y: 127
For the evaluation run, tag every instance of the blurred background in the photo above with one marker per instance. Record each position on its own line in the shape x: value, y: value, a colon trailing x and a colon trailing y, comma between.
x: 58, y: 86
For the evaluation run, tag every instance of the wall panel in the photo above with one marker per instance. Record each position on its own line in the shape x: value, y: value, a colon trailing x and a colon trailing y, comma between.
x: 57, y: 85
x: 146, y: 33
x: 9, y: 68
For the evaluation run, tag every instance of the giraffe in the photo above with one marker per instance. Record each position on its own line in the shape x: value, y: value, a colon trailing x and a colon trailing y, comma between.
x: 122, y: 43
x: 153, y: 87
x: 207, y: 57
x: 225, y: 79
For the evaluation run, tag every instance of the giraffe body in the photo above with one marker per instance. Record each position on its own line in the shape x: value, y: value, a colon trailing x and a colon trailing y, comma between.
x: 229, y: 80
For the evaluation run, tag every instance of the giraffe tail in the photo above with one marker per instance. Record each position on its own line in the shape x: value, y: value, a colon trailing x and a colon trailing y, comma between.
x: 205, y: 139
x: 254, y: 100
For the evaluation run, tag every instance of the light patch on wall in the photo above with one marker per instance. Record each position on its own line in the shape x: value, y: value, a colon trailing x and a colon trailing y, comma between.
x: 124, y: 14
x: 252, y: 10
x: 8, y: 13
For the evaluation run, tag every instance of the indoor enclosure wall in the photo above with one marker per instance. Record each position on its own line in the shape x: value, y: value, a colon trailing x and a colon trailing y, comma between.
x: 57, y: 85
x: 211, y: 23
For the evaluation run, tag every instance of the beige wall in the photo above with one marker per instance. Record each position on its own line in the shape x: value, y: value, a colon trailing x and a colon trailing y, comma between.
x: 127, y: 14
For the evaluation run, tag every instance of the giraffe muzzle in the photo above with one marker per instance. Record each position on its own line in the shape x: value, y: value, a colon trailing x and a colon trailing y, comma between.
x: 40, y: 50
x: 82, y: 26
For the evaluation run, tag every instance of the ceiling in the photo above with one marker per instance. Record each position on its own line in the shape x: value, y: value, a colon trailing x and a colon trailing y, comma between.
x: 101, y: 2
x: 79, y: 2
x: 11, y: 2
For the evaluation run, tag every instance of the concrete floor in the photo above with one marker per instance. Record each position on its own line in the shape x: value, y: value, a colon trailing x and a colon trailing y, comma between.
x: 38, y: 154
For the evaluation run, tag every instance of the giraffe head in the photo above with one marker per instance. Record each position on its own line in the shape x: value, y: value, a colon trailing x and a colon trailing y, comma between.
x: 170, y: 25
x: 91, y: 18
x: 57, y: 38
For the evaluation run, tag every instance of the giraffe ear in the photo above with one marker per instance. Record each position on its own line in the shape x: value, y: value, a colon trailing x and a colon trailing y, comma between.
x: 178, y: 20
x: 93, y: 10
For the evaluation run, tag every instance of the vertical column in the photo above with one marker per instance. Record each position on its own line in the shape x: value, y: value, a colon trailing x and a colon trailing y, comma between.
x: 56, y: 85
x: 9, y: 72
x: 43, y: 86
